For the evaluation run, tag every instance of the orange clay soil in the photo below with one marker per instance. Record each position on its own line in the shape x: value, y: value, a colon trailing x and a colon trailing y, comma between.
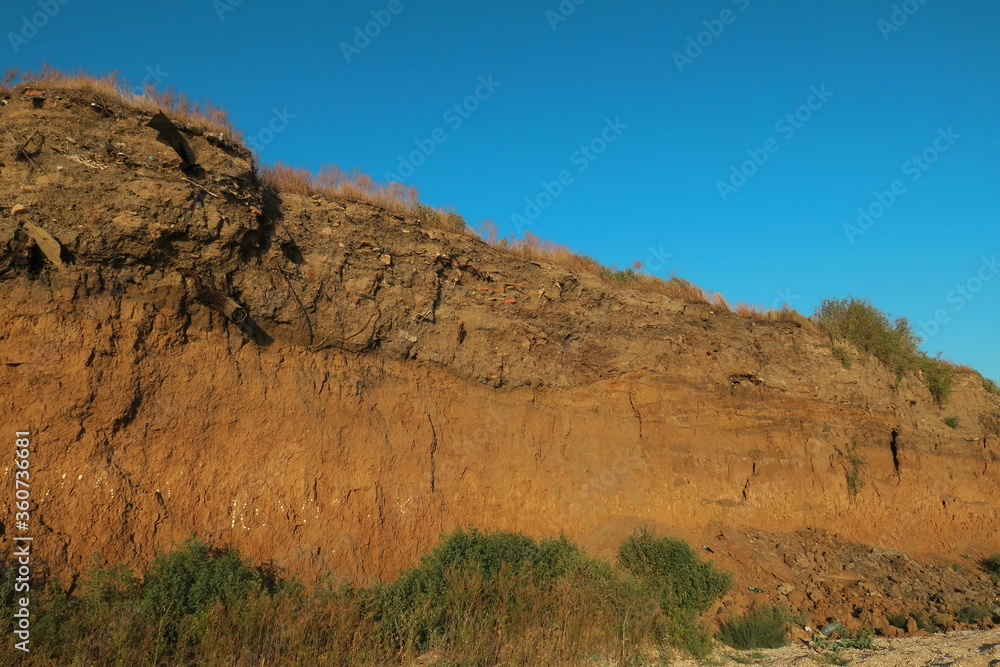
x: 392, y: 381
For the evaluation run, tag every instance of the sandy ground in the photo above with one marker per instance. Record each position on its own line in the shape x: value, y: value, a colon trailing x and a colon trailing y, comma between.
x: 971, y: 648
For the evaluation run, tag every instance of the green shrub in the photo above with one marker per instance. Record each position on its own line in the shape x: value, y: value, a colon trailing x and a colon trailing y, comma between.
x: 454, y: 220
x: 841, y: 354
x: 763, y: 627
x: 992, y: 564
x: 616, y: 276
x: 898, y: 620
x: 893, y: 343
x: 990, y: 386
x: 926, y: 624
x: 477, y: 599
x: 929, y: 624
x: 938, y: 377
x: 686, y: 586
x: 191, y: 578
x: 863, y: 639
x: 477, y: 585
x: 951, y: 421
x: 869, y: 329
x: 973, y: 613
x: 441, y: 217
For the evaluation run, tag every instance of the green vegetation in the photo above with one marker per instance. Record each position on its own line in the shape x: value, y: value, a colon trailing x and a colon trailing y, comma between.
x: 855, y: 463
x: 763, y: 627
x: 898, y: 620
x: 973, y: 613
x: 478, y: 598
x: 442, y: 217
x: 892, y: 343
x: 489, y: 585
x: 614, y: 275
x: 841, y: 354
x: 992, y: 565
x: 863, y: 639
x: 925, y: 624
x: 686, y: 586
x: 990, y: 386
x: 929, y: 624
x: 951, y: 421
x: 938, y: 376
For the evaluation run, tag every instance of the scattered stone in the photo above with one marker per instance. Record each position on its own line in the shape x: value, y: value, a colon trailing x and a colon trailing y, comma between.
x: 46, y: 243
x: 18, y: 208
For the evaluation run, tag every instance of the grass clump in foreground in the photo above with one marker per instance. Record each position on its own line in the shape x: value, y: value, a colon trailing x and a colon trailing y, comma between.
x: 892, y: 343
x: 763, y: 627
x: 478, y: 598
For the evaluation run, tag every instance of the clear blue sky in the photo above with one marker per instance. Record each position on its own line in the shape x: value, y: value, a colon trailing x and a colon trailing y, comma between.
x: 924, y: 82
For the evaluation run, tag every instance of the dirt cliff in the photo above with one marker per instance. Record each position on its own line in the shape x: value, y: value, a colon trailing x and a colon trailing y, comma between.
x: 330, y: 386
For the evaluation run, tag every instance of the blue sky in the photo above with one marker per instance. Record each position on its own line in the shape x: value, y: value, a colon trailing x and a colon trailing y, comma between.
x: 731, y: 142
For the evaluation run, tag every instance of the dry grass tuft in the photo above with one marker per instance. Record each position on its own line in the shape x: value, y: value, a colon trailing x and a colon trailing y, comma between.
x: 719, y: 302
x: 331, y: 181
x: 783, y: 314
x: 112, y: 88
x: 532, y: 247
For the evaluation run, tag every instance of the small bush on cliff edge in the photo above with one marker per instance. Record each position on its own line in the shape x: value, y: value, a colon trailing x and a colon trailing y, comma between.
x: 893, y: 343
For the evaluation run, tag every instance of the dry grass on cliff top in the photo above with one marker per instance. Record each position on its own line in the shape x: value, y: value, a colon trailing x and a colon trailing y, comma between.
x: 113, y: 87
x: 862, y: 325
x: 396, y: 198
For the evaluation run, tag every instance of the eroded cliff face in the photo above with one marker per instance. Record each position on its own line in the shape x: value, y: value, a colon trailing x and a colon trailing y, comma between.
x: 400, y: 381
